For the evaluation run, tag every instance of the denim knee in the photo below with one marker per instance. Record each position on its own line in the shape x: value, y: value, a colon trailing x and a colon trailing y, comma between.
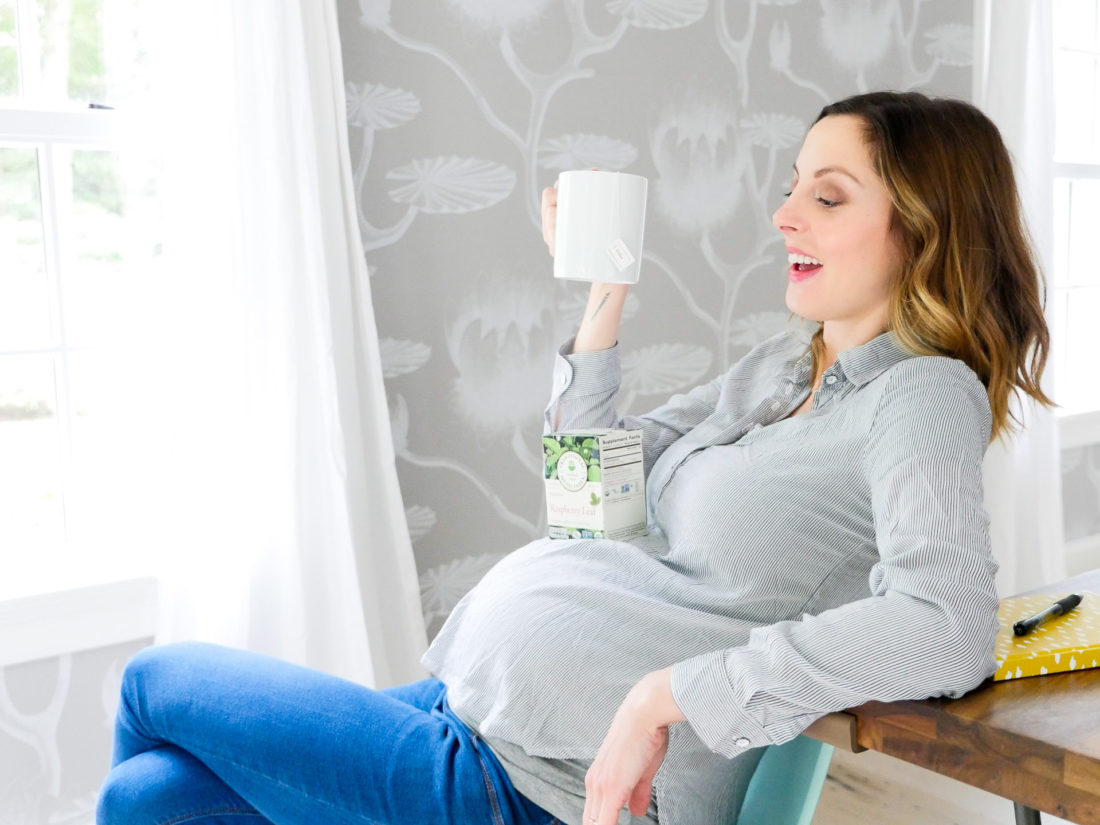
x: 150, y: 662
x: 119, y: 798
x: 157, y: 665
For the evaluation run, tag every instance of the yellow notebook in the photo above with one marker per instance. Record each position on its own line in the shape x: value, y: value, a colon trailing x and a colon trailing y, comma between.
x: 1069, y: 642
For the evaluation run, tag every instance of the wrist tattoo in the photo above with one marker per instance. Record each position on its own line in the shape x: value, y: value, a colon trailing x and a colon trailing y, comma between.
x: 600, y: 305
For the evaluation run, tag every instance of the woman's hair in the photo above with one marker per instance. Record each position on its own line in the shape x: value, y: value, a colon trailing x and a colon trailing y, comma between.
x: 970, y: 286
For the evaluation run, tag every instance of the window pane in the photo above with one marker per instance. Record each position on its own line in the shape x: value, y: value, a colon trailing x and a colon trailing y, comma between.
x: 88, y: 51
x: 1082, y: 343
x: 1075, y: 23
x: 24, y: 288
x: 1076, y: 91
x: 87, y: 77
x: 93, y: 504
x: 114, y: 220
x: 30, y: 472
x: 1060, y: 275
x: 1084, y: 218
x: 1056, y: 309
x: 92, y: 273
x: 9, y: 51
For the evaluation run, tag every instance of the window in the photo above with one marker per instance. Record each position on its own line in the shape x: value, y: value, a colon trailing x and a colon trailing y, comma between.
x: 70, y: 197
x: 1075, y: 282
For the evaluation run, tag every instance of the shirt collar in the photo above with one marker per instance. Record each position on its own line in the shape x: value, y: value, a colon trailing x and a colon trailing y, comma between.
x: 866, y: 363
x: 859, y: 364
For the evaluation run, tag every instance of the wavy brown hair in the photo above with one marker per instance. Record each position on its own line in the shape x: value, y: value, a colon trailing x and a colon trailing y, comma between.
x: 970, y: 286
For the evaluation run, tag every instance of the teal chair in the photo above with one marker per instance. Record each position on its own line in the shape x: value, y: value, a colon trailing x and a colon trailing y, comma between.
x: 787, y: 783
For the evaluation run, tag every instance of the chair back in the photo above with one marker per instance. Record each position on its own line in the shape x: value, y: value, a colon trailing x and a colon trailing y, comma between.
x: 787, y: 783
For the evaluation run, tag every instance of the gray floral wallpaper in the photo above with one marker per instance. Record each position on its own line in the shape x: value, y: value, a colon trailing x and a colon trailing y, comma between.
x: 1081, y: 491
x: 56, y: 718
x: 461, y: 111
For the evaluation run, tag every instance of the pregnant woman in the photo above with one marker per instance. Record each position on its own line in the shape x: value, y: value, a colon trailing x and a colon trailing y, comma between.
x: 816, y: 540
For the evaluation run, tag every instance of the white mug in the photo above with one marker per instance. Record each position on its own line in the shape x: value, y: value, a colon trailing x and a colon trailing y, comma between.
x: 599, y: 228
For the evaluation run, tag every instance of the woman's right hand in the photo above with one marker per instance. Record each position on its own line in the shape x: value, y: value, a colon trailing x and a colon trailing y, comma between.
x: 549, y: 215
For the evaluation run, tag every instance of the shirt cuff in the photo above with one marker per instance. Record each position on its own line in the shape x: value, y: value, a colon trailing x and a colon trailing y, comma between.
x: 702, y: 690
x: 586, y: 373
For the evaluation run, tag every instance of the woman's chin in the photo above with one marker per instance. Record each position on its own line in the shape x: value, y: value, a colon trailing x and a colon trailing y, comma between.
x: 802, y: 308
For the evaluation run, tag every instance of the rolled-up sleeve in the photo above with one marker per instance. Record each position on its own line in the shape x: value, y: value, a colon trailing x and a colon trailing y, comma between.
x: 585, y: 389
x: 928, y: 626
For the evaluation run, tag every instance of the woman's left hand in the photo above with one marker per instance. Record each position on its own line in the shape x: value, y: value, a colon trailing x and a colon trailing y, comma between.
x: 632, y: 751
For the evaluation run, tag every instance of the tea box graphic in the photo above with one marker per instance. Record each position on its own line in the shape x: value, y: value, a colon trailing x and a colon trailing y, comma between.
x: 595, y: 484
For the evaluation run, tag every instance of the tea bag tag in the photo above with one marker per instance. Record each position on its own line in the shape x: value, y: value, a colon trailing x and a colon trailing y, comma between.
x: 620, y: 255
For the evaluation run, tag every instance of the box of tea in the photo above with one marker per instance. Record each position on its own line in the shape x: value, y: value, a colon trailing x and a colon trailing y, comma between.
x: 595, y: 484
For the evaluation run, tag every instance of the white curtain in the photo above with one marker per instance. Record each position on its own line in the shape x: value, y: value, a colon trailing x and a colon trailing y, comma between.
x: 267, y: 494
x: 1013, y: 84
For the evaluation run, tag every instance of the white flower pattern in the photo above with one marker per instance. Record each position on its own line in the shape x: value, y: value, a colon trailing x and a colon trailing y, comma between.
x: 441, y: 587
x: 399, y: 424
x: 952, y: 44
x: 700, y: 158
x: 500, y: 340
x: 374, y: 14
x: 857, y: 34
x: 664, y: 368
x: 402, y: 357
x: 421, y: 520
x: 452, y: 185
x: 756, y: 328
x: 584, y: 151
x: 38, y: 728
x: 659, y: 14
x: 498, y: 15
x: 773, y: 131
x: 371, y: 106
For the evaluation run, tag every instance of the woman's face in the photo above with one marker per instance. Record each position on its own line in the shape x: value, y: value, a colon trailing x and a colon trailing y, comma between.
x: 842, y: 254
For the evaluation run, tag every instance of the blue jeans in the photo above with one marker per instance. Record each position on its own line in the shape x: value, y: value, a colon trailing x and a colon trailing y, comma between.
x: 206, y: 735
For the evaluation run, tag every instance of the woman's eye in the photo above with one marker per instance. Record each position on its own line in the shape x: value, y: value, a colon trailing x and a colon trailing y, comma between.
x: 825, y: 202
x: 787, y: 194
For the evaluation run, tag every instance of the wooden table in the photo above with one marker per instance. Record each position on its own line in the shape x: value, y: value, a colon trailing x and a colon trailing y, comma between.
x: 1035, y: 741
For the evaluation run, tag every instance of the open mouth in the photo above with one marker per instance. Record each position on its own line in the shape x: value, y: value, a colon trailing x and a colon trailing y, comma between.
x: 802, y: 266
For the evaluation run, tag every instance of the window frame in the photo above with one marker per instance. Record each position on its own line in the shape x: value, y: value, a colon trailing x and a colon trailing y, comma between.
x: 44, y: 129
x: 1077, y: 427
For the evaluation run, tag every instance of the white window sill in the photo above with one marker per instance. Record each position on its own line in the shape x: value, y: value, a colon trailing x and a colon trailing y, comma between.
x: 1079, y: 429
x: 1082, y: 555
x: 65, y: 619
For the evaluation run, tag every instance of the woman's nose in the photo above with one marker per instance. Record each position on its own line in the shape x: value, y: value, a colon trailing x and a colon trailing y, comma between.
x: 785, y: 217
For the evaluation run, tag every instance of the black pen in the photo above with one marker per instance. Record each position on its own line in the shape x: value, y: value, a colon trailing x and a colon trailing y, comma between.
x: 1060, y: 607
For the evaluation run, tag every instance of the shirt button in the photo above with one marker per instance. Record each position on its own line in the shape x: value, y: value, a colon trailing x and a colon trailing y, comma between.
x: 563, y: 379
x: 775, y: 406
x: 831, y: 379
x: 742, y: 742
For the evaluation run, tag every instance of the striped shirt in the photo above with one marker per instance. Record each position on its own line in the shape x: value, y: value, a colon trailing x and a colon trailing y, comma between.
x: 793, y: 567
